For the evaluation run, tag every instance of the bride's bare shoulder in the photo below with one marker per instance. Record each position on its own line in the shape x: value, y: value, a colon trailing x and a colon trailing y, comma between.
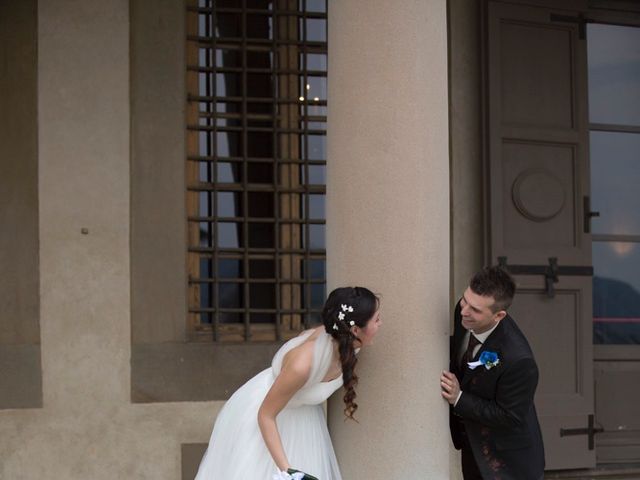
x: 300, y: 358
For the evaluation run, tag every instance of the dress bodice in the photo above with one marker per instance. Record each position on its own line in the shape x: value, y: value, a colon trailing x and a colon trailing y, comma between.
x: 314, y: 391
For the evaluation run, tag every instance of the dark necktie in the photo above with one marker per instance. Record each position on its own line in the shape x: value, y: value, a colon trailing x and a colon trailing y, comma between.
x: 468, y: 354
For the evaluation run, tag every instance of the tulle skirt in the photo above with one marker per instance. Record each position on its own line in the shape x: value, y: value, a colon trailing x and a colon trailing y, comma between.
x: 237, y: 451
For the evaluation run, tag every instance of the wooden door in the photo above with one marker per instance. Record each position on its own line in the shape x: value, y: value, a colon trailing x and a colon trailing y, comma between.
x: 538, y: 181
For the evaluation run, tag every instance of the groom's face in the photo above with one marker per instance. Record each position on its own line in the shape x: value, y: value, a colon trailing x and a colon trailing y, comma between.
x: 477, y: 313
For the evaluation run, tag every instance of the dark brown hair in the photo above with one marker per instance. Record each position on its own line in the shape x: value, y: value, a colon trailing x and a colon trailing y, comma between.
x: 494, y: 282
x: 365, y: 304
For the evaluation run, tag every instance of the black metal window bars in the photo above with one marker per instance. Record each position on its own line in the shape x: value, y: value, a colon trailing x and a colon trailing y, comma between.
x: 256, y: 160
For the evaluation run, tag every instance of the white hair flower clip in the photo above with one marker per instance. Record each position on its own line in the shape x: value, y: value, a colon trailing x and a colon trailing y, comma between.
x: 335, y: 326
x: 342, y: 315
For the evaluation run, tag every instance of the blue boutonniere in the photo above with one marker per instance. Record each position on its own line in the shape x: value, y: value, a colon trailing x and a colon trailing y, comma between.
x: 488, y: 359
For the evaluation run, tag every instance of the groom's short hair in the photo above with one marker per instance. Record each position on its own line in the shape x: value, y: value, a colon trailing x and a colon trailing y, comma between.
x: 494, y: 282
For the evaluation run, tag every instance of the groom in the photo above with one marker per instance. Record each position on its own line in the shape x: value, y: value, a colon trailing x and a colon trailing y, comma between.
x: 491, y: 384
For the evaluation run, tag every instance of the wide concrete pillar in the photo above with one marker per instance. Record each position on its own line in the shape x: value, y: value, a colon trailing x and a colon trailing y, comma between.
x: 388, y: 227
x: 83, y: 104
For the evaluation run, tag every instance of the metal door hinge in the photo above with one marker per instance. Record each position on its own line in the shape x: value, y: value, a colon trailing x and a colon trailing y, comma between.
x: 591, y: 431
x: 551, y: 272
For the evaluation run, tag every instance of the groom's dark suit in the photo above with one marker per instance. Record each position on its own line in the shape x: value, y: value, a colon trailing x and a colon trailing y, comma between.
x: 495, y: 415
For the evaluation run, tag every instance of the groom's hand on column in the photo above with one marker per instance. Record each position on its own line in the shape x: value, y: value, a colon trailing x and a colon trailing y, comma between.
x: 450, y: 387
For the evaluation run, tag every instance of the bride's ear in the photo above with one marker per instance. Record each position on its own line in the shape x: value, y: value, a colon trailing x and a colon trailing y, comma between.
x: 357, y: 343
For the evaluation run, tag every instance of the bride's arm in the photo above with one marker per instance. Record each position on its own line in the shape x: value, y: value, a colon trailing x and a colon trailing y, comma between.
x: 295, y: 371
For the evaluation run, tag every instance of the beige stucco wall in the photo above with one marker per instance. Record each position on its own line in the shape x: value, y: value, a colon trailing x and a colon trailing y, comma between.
x: 158, y: 227
x: 467, y: 211
x: 388, y: 109
x: 20, y: 373
x: 88, y: 428
x: 467, y: 234
x: 18, y: 175
x: 388, y: 227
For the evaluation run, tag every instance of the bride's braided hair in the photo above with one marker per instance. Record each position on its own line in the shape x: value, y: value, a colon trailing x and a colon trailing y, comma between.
x: 361, y: 304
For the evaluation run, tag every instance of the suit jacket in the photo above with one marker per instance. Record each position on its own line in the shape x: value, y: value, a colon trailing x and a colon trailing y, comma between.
x: 496, y: 410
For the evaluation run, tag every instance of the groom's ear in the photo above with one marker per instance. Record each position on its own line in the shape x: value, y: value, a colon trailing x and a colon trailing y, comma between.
x: 499, y: 315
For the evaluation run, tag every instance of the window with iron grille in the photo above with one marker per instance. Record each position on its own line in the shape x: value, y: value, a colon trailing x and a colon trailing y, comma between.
x: 256, y: 159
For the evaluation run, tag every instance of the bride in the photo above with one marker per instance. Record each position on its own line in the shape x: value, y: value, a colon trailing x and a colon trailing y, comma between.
x: 274, y: 425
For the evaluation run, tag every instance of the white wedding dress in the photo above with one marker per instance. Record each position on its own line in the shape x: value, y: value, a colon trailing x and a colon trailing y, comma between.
x: 236, y: 449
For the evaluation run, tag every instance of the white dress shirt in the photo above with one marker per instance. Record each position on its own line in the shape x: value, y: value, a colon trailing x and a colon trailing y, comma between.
x: 481, y: 337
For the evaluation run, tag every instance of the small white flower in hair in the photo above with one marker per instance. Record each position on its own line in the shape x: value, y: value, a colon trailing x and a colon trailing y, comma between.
x: 341, y: 316
x: 335, y: 326
x: 343, y: 307
x: 352, y: 323
x: 350, y: 308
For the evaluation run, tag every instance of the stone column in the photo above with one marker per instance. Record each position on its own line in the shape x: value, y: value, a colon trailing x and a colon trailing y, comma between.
x: 83, y: 114
x: 388, y: 209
